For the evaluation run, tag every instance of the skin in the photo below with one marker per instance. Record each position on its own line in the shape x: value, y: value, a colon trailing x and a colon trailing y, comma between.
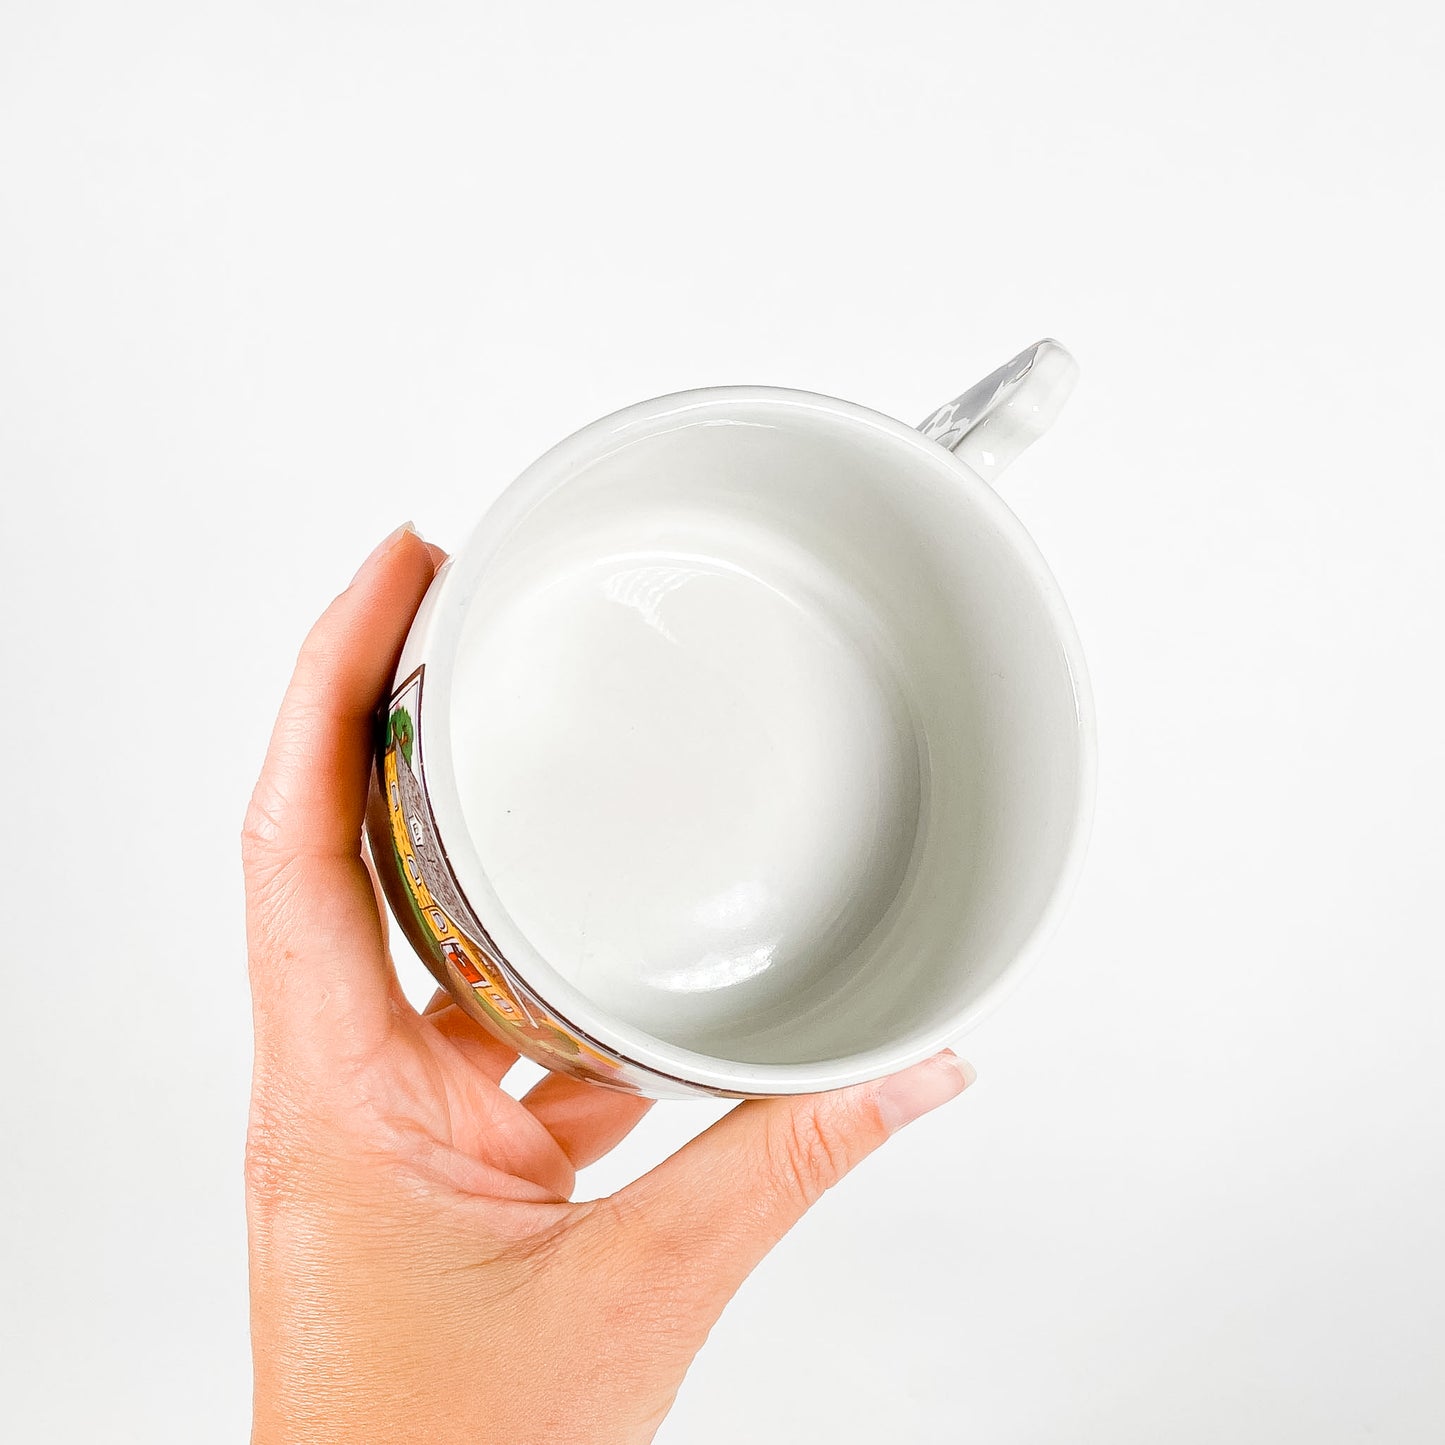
x: 417, y: 1270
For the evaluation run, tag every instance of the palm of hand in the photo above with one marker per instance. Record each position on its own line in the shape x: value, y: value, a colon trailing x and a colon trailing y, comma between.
x: 437, y: 1193
x: 416, y: 1270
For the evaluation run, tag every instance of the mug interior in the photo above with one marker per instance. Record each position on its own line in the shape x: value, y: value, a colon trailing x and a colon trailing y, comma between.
x: 765, y: 731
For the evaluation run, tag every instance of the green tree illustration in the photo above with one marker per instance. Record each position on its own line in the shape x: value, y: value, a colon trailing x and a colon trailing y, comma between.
x: 403, y: 734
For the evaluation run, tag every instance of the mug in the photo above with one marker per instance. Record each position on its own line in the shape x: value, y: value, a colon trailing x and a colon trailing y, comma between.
x: 746, y: 746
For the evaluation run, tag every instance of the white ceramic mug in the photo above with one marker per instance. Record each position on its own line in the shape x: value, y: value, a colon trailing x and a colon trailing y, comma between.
x: 746, y: 746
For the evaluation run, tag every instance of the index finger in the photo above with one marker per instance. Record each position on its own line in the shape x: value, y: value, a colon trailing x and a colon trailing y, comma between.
x: 315, y: 931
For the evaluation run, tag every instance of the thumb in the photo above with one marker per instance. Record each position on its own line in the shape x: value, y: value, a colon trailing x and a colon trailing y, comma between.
x: 705, y: 1217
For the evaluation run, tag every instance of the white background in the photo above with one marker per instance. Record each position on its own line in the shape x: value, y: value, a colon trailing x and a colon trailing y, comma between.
x: 275, y: 277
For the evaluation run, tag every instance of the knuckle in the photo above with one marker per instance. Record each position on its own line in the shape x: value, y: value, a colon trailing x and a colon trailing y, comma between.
x: 265, y: 856
x: 292, y: 1147
x: 260, y: 829
x: 267, y: 1173
x: 662, y: 1282
x: 810, y: 1155
x: 271, y: 1176
x: 649, y: 1235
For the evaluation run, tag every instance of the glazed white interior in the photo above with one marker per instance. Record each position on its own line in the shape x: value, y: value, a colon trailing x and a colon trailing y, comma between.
x: 764, y: 735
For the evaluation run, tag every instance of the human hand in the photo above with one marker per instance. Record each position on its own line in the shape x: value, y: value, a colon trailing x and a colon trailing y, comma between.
x: 417, y: 1272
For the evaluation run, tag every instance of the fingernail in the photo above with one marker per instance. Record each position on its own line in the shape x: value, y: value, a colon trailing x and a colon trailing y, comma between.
x: 385, y: 545
x: 907, y: 1096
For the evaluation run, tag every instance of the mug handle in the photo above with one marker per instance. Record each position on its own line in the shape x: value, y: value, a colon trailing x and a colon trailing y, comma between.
x: 991, y: 423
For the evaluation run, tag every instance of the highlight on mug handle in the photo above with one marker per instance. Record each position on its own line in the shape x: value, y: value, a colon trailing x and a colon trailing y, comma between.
x: 992, y: 422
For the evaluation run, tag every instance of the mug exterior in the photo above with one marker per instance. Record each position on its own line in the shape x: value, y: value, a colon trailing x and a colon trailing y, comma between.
x: 439, y: 892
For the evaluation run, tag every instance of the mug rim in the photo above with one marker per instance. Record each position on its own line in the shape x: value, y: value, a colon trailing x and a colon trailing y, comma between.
x: 438, y: 648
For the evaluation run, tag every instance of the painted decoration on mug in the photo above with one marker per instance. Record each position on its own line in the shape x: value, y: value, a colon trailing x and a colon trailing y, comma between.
x: 458, y: 946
